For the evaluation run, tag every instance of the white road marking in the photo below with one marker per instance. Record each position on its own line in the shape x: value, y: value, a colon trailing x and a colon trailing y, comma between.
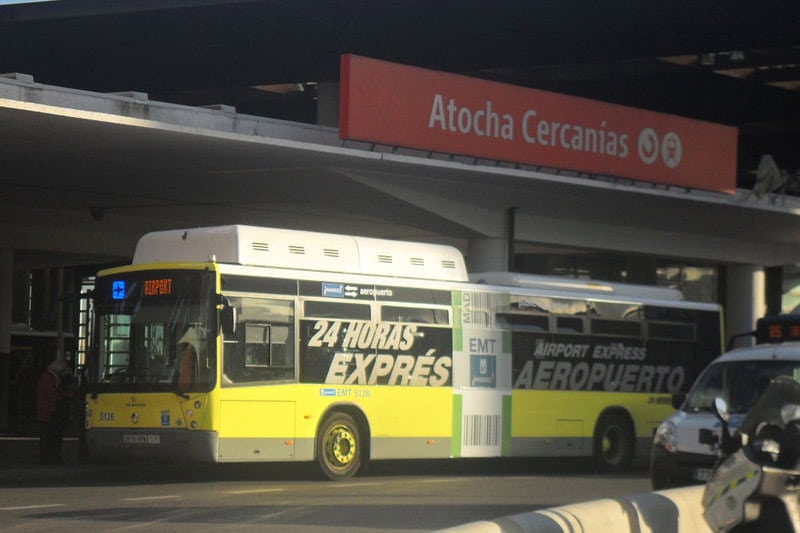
x: 27, y: 507
x: 253, y: 491
x: 150, y: 498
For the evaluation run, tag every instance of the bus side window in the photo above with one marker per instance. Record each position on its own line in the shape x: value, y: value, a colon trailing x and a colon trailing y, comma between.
x: 524, y: 322
x: 262, y: 349
x: 420, y: 315
x: 232, y: 362
x: 325, y: 309
x: 619, y: 328
x: 569, y: 324
x: 256, y: 344
x: 281, y: 352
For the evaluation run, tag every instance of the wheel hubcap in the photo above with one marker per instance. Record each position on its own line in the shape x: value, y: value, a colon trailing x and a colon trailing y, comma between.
x: 341, y: 446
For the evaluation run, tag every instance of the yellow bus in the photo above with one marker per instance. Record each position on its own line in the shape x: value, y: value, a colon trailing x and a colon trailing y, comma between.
x: 238, y: 343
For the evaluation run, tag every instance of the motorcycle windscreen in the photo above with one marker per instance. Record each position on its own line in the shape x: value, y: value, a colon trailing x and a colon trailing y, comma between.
x: 781, y: 391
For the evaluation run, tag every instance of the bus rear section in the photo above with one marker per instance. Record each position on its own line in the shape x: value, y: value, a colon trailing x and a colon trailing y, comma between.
x: 583, y: 373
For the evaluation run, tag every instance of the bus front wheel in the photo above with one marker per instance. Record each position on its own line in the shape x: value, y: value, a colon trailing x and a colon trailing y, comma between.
x: 339, y: 447
x: 613, y: 442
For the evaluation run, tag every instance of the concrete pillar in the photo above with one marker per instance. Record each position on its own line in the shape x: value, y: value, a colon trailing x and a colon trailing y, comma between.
x: 745, y: 300
x: 495, y: 254
x: 328, y: 104
x: 487, y: 255
x: 6, y: 289
x: 774, y: 290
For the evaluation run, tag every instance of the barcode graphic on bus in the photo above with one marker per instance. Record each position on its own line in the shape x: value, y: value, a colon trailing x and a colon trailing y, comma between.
x: 477, y: 309
x: 481, y: 430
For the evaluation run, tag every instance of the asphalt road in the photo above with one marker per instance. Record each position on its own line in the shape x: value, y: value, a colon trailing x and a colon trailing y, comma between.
x: 394, y: 496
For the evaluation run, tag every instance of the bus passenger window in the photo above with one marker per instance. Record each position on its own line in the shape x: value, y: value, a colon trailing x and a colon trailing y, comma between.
x: 519, y: 322
x: 569, y: 324
x: 262, y: 349
x: 623, y: 328
x: 420, y: 315
x: 321, y: 309
x: 256, y: 344
x: 671, y: 331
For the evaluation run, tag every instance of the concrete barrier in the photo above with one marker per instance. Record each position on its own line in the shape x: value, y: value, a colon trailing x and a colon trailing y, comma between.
x: 669, y: 511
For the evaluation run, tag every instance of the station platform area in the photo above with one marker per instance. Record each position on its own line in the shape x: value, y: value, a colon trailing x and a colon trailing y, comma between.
x: 19, y: 463
x: 23, y: 450
x: 19, y: 453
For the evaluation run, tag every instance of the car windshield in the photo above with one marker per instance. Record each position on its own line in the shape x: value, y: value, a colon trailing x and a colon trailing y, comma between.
x: 739, y: 383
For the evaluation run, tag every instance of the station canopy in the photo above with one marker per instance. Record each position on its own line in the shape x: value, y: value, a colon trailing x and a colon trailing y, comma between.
x: 124, y: 117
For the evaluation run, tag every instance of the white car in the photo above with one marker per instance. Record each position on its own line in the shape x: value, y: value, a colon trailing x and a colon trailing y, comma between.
x: 739, y: 377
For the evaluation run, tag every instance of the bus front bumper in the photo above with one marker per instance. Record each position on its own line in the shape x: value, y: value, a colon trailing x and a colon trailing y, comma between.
x: 151, y: 443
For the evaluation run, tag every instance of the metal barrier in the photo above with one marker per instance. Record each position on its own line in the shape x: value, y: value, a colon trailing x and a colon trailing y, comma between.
x: 669, y: 511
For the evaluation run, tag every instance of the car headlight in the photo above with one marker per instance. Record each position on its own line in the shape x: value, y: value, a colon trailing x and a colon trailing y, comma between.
x: 666, y: 436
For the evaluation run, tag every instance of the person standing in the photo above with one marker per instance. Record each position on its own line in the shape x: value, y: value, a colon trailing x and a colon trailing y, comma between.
x: 52, y: 408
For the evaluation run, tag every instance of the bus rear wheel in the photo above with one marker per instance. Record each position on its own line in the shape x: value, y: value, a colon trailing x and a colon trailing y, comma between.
x: 339, y: 447
x: 613, y: 443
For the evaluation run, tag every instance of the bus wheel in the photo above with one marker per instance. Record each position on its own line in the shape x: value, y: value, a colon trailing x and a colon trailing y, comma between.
x: 613, y: 443
x: 339, y: 447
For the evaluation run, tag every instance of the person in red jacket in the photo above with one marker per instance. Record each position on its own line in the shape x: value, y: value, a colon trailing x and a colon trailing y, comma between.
x: 52, y: 408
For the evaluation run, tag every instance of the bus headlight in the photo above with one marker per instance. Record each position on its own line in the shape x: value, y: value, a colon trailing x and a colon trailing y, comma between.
x: 666, y: 436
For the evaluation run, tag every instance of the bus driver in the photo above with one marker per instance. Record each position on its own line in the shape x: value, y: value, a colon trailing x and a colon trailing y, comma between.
x: 188, y: 349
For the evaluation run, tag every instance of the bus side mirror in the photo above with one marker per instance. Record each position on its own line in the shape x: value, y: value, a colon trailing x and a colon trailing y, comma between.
x: 228, y: 319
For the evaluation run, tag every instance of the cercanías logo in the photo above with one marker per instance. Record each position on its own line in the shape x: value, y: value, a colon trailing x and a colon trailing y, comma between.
x: 669, y: 148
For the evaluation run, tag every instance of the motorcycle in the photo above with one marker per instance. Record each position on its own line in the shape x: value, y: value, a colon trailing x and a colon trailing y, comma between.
x: 755, y: 484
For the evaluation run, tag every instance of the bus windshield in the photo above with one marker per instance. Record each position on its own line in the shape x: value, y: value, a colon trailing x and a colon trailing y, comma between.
x: 156, y: 331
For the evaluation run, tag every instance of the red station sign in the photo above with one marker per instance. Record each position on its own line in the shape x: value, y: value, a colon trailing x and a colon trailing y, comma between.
x: 398, y: 105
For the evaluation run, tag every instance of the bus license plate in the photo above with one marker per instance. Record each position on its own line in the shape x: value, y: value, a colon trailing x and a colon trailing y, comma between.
x: 145, y: 440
